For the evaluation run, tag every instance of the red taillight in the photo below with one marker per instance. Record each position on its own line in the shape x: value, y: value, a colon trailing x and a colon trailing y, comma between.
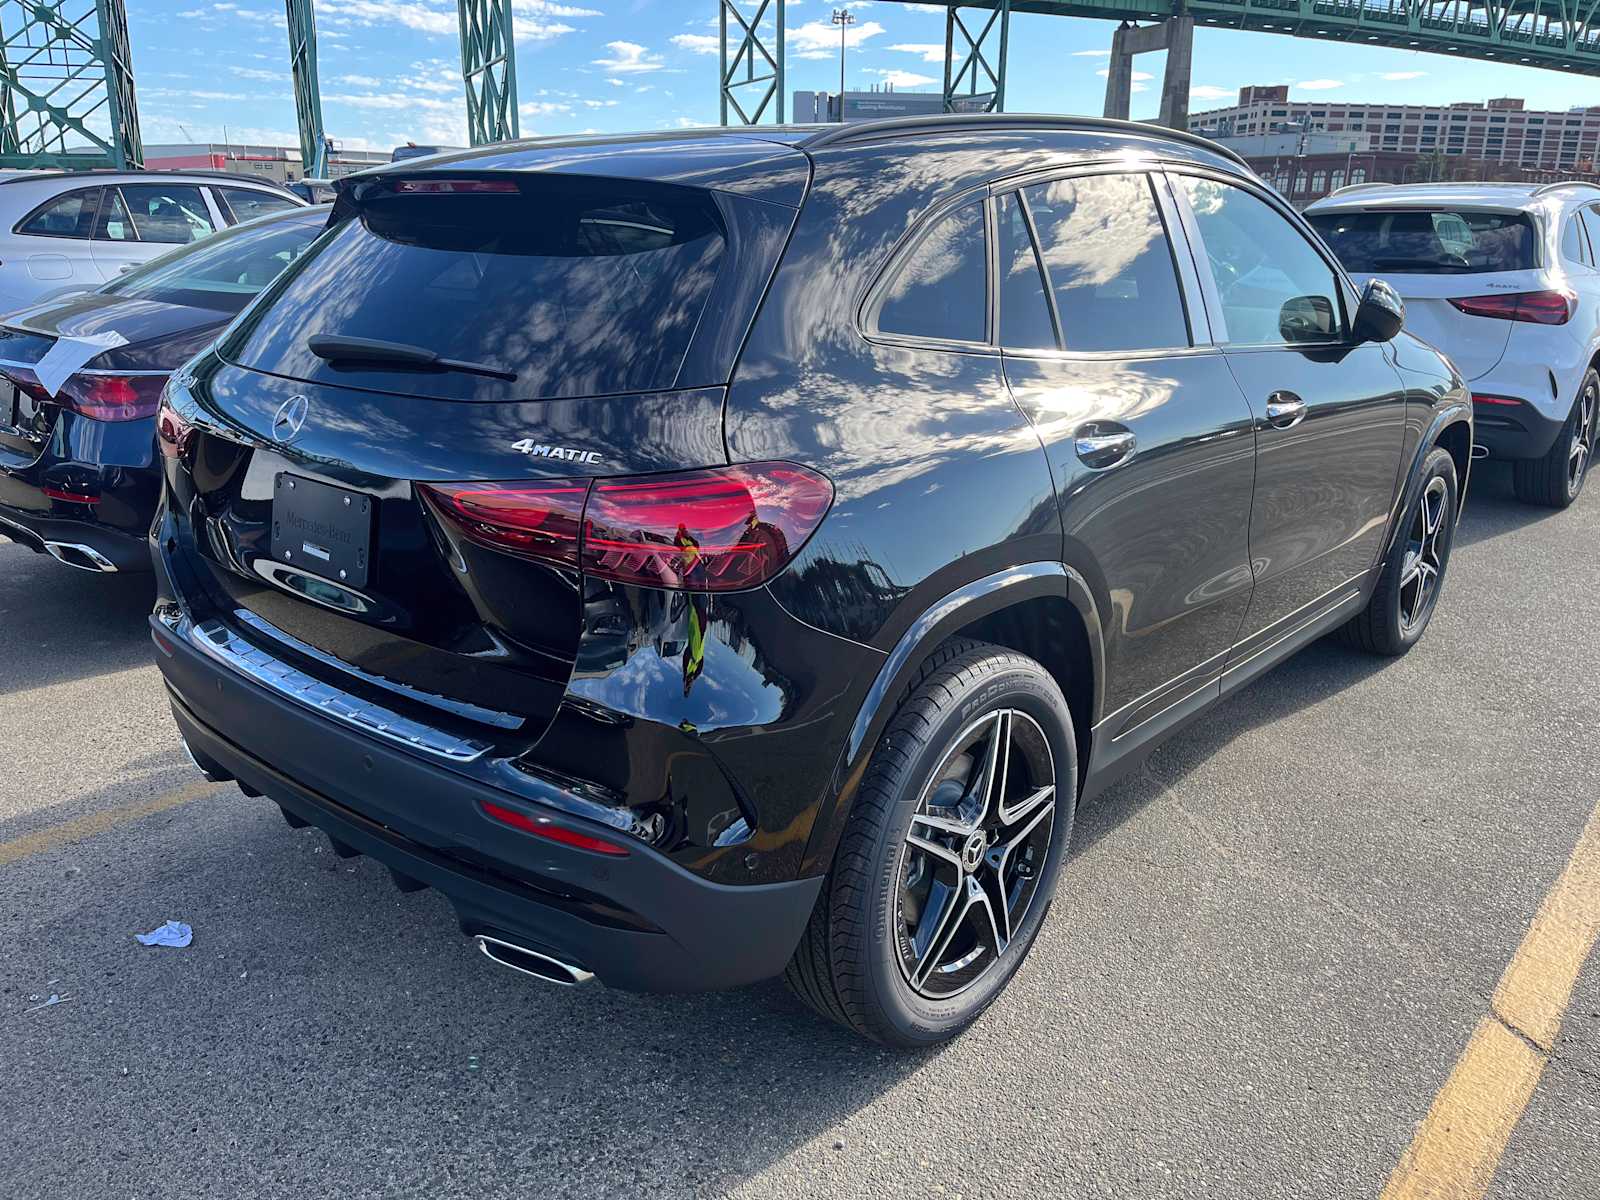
x: 1540, y: 308
x: 536, y: 520
x: 719, y: 529
x: 549, y: 830
x: 1505, y: 401
x: 112, y: 397
x: 56, y: 493
x: 457, y: 187
x: 172, y: 432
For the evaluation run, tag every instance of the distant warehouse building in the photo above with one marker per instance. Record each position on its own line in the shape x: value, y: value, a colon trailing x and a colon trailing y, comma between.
x: 823, y: 107
x: 1493, y: 131
x: 277, y: 163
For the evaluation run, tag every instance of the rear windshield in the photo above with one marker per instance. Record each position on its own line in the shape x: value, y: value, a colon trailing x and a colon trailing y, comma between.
x: 574, y: 287
x: 227, y: 269
x: 1433, y: 241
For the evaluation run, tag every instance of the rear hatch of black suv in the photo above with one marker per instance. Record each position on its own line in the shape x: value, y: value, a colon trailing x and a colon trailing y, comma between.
x: 379, y: 470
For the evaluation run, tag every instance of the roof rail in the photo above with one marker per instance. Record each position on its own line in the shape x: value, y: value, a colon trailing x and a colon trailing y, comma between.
x: 908, y: 126
x: 1546, y: 189
x: 1358, y: 187
x: 31, y: 176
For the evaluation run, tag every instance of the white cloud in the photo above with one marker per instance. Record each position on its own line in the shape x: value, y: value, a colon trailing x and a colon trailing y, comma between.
x: 1091, y: 54
x: 903, y: 79
x: 1319, y: 85
x: 601, y: 103
x: 1210, y: 91
x: 629, y: 58
x: 1397, y: 76
x: 932, y: 52
x: 1138, y: 76
x: 697, y: 43
x: 815, y: 39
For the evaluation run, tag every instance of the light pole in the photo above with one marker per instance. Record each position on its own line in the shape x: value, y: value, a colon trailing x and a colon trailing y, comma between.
x: 843, y: 18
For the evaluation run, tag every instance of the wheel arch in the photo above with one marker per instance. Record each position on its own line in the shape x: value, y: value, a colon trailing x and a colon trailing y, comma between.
x: 1451, y: 427
x: 1043, y: 609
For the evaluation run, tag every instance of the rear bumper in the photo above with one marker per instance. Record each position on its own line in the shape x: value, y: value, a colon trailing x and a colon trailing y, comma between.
x: 88, y: 545
x: 639, y: 922
x: 1519, y: 431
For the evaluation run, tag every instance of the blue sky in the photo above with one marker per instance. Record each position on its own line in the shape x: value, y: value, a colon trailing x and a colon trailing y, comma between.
x: 390, y: 68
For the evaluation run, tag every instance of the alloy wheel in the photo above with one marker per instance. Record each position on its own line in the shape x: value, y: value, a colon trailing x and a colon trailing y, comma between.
x: 1581, y: 449
x: 1425, y: 553
x: 975, y: 853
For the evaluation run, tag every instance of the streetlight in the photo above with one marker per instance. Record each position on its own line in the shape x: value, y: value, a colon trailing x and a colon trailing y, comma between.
x: 843, y: 18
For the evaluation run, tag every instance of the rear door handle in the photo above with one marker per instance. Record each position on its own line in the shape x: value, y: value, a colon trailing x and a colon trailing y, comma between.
x: 1285, y: 409
x: 1101, y: 446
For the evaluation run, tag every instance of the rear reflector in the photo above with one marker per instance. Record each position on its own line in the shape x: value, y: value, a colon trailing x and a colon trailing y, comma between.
x: 1539, y: 308
x: 719, y: 529
x: 457, y: 187
x: 1506, y: 401
x: 112, y: 397
x: 549, y: 830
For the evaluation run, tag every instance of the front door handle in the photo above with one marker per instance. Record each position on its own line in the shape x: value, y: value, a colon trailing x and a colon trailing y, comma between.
x: 1100, y: 446
x: 1285, y: 410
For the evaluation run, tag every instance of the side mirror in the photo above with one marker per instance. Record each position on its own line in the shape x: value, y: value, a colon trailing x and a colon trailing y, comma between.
x: 1381, y: 313
x: 1307, y: 319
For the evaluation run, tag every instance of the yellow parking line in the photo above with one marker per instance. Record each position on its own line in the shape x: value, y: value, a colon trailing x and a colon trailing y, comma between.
x: 98, y: 822
x: 1457, y: 1148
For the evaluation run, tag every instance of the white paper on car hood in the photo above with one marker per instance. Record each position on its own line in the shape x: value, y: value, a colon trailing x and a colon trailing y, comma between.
x: 69, y: 354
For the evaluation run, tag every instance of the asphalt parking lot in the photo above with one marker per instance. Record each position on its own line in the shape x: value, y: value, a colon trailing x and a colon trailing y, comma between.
x: 1269, y: 953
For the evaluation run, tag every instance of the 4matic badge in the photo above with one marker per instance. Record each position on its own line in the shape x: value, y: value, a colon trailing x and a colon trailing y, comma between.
x: 569, y: 454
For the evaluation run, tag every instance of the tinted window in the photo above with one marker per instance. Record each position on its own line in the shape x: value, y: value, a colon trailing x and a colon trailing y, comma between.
x: 1572, y: 245
x: 70, y: 216
x: 115, y: 224
x: 1428, y: 242
x: 1273, y: 284
x: 247, y: 203
x: 223, y: 272
x: 576, y: 288
x: 1024, y: 311
x: 174, y: 213
x: 1109, y: 263
x: 940, y: 289
x: 1591, y: 222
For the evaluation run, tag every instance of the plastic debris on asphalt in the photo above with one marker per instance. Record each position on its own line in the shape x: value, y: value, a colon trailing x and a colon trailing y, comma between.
x: 52, y: 1001
x: 173, y: 933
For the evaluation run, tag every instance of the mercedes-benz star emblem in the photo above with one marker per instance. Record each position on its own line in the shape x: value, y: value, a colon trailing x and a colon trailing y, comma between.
x: 290, y: 418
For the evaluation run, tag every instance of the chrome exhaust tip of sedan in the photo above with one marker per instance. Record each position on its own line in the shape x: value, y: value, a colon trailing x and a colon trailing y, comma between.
x: 532, y: 962
x: 1480, y: 451
x: 75, y: 554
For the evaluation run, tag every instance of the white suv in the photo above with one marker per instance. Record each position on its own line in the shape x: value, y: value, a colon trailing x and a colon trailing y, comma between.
x: 1505, y: 279
x: 70, y: 231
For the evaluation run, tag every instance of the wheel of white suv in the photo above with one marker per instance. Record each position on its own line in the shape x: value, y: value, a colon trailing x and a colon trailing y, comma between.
x: 949, y: 861
x: 1408, y: 588
x: 1556, y: 479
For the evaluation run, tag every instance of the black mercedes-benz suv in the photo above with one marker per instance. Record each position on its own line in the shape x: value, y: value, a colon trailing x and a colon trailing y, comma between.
x: 709, y: 556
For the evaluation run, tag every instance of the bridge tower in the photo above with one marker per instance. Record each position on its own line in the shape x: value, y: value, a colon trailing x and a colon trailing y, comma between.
x: 489, y: 70
x: 982, y: 69
x: 751, y: 78
x: 307, y: 90
x: 66, y: 82
x: 1175, y: 35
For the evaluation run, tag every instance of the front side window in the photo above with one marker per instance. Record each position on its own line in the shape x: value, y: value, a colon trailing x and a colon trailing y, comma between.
x: 1109, y: 263
x: 174, y: 213
x: 115, y: 225
x: 940, y: 289
x: 67, y: 216
x: 248, y: 203
x: 1273, y: 285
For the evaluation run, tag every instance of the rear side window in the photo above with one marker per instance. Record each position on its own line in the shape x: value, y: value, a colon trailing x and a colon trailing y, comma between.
x: 67, y: 216
x: 1109, y: 263
x: 173, y: 213
x: 1572, y: 241
x: 1428, y: 241
x: 247, y: 203
x: 939, y: 290
x: 577, y: 287
x: 1591, y: 223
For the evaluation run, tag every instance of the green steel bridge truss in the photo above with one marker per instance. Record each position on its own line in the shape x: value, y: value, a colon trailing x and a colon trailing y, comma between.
x: 66, y: 85
x: 1560, y: 35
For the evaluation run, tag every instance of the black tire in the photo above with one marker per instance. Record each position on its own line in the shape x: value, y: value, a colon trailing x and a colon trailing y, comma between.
x: 1393, y: 621
x: 850, y: 965
x: 1556, y: 479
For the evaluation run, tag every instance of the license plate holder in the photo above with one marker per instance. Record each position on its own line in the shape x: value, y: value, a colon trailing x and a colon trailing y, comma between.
x: 322, y: 529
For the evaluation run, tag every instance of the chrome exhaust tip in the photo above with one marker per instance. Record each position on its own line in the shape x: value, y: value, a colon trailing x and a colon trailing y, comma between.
x: 212, y: 774
x: 1479, y: 451
x: 76, y: 554
x: 532, y: 962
